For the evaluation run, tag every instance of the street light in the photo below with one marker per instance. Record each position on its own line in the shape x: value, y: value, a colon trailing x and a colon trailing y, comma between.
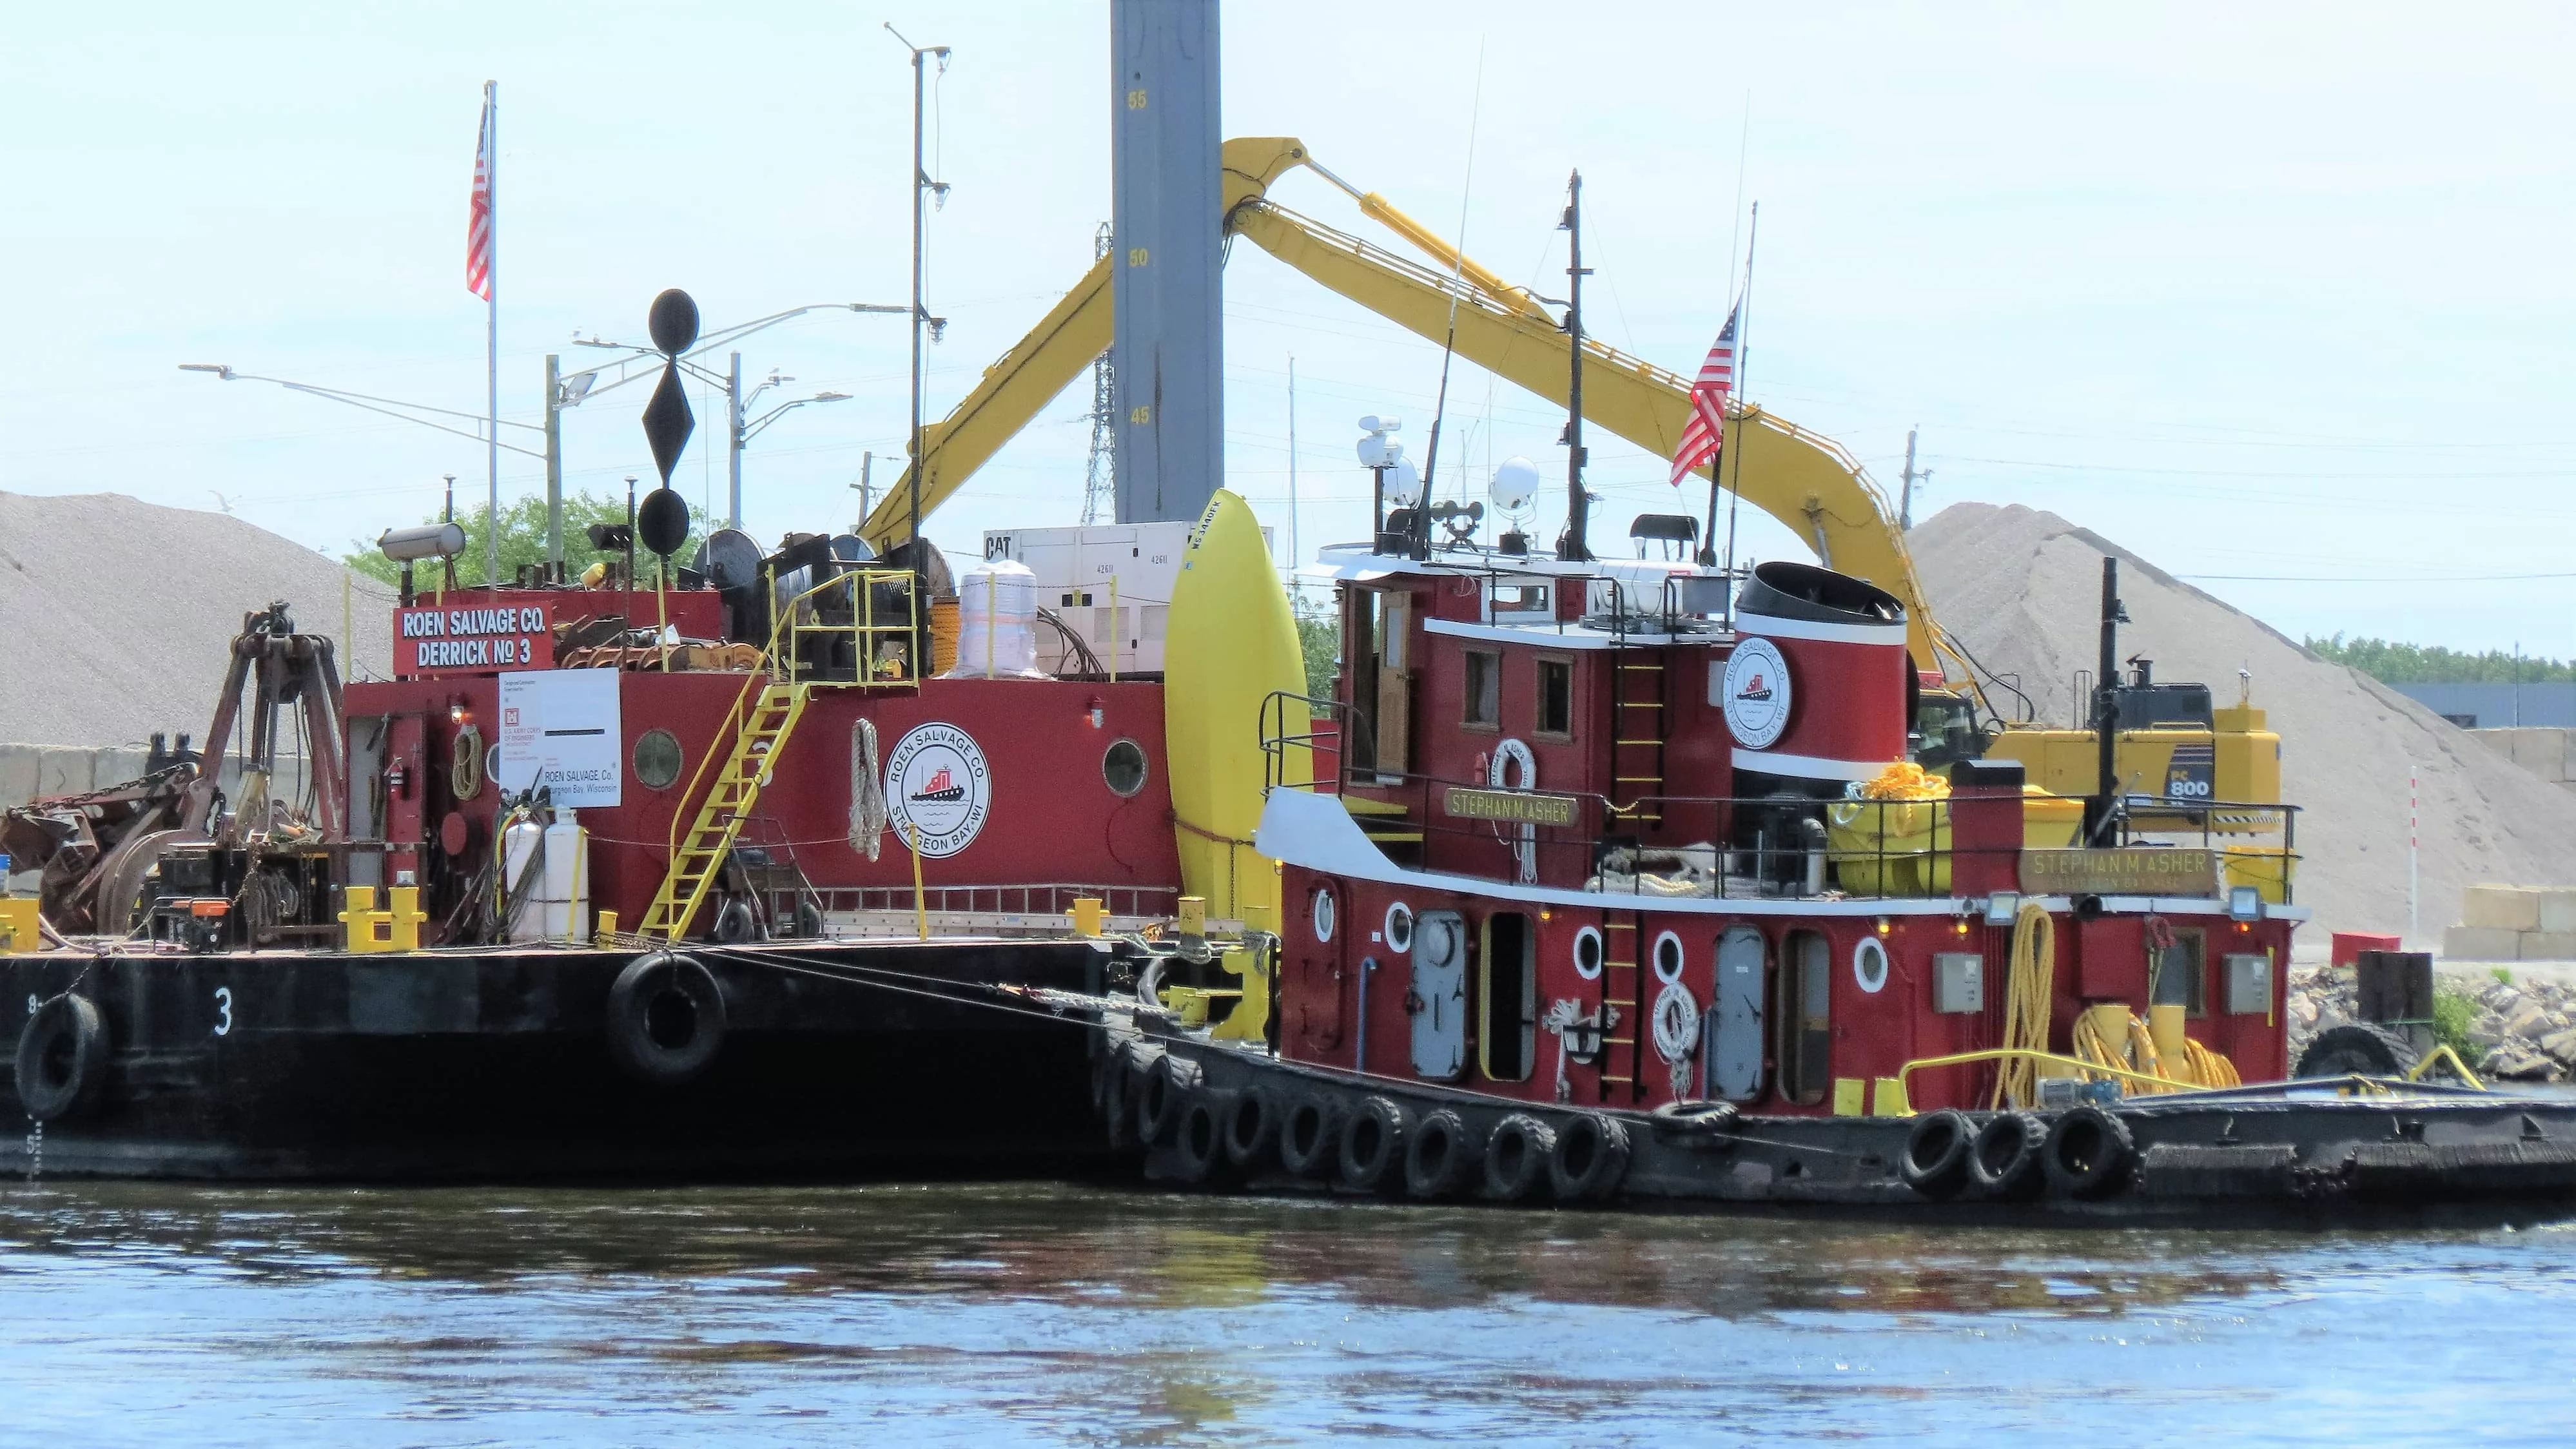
x: 395, y: 408
x: 646, y: 362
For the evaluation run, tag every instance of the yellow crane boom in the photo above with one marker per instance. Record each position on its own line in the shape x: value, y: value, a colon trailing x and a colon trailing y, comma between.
x: 1803, y: 479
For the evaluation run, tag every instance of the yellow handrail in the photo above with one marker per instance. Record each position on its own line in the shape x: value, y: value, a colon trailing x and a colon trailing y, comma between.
x: 767, y: 669
x: 2442, y: 1052
x: 2026, y: 1054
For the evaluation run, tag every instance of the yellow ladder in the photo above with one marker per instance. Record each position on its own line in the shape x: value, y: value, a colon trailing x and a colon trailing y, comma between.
x: 1637, y: 745
x: 698, y: 856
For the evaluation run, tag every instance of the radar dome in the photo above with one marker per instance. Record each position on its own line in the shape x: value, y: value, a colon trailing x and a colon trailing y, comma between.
x: 1515, y: 484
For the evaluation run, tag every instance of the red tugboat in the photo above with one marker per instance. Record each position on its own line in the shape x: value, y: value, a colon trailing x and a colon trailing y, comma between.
x: 1657, y: 882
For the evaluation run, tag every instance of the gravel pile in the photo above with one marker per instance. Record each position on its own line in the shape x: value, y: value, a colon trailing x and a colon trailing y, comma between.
x: 119, y: 614
x: 2022, y: 590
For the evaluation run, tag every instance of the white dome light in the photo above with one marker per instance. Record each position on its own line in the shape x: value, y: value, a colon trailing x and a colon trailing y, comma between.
x: 1403, y: 484
x: 1515, y: 484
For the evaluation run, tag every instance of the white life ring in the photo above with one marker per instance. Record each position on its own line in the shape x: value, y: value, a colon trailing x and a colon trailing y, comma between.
x: 1512, y: 756
x: 1676, y: 1023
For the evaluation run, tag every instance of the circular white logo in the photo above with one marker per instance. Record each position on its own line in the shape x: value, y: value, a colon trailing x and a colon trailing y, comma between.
x: 1755, y: 694
x: 937, y: 783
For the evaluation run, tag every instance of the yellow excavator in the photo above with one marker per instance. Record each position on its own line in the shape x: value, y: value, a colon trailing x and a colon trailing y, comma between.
x: 1803, y: 479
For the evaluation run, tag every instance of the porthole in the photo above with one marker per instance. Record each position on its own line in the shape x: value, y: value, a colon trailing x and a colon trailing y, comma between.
x: 1869, y: 965
x: 657, y: 759
x: 1668, y: 958
x: 1323, y: 916
x: 1587, y: 953
x: 1123, y: 766
x: 1399, y: 928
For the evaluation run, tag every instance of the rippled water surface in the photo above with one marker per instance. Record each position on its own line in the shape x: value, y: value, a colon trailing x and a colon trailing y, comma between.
x: 153, y: 1314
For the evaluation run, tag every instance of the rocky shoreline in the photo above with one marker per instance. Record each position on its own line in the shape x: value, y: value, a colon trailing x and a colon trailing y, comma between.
x: 2515, y: 1030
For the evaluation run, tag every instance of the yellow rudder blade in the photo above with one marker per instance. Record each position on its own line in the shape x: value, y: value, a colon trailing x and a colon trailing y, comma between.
x: 1232, y: 643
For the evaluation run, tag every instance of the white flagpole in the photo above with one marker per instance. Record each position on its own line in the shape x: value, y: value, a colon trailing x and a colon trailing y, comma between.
x: 492, y: 337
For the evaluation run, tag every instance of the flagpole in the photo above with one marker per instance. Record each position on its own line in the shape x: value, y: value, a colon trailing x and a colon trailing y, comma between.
x: 1743, y: 330
x: 492, y: 339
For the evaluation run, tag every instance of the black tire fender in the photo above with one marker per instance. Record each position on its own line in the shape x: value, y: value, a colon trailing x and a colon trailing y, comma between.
x: 1169, y: 1084
x: 1251, y: 1127
x: 1590, y: 1159
x: 2004, y: 1160
x: 1372, y: 1149
x: 2355, y: 1049
x: 1198, y: 1138
x: 2089, y: 1153
x: 1516, y: 1157
x: 1935, y: 1164
x: 666, y: 1018
x: 1441, y: 1157
x: 1310, y: 1136
x: 62, y: 1058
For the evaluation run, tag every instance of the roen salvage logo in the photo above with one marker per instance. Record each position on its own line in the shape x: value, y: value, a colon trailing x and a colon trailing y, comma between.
x: 937, y: 783
x: 1755, y: 694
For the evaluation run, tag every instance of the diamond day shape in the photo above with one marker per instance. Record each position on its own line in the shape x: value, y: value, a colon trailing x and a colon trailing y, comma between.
x: 668, y: 421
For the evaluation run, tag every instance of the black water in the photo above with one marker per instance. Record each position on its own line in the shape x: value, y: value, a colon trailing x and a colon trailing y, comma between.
x: 161, y: 1315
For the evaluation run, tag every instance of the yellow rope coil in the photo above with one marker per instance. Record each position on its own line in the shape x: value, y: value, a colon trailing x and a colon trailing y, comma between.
x: 2028, y: 992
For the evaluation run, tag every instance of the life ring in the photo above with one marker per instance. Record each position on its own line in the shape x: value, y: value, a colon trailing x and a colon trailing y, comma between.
x: 1199, y: 1145
x: 1590, y: 1160
x: 666, y: 1018
x: 62, y: 1057
x: 2088, y: 1153
x: 1676, y: 1023
x: 1516, y: 1157
x: 1251, y: 1127
x: 1373, y: 1145
x: 1935, y: 1163
x: 1440, y: 1156
x: 2005, y: 1159
x: 1310, y: 1138
x: 1509, y: 757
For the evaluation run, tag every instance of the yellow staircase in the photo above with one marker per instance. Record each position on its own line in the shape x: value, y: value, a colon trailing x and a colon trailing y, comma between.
x: 764, y: 721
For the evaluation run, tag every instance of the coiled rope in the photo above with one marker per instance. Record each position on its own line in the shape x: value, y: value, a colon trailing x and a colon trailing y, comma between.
x: 2029, y: 990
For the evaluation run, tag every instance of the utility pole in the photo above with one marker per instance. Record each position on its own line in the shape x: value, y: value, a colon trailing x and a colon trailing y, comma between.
x: 1100, y: 484
x: 554, y: 460
x: 1912, y: 476
x: 867, y: 501
x: 921, y: 183
x: 1294, y: 557
x: 733, y: 459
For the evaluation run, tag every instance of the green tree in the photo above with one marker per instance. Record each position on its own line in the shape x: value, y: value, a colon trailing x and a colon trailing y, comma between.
x: 523, y: 541
x: 1320, y: 634
x: 2395, y: 663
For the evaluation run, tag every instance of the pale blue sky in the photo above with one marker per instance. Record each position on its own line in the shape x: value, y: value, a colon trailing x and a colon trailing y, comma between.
x: 2258, y: 290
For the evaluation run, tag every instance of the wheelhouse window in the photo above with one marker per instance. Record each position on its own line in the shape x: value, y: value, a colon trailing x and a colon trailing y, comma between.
x: 1482, y: 687
x: 1806, y: 1029
x: 1555, y: 699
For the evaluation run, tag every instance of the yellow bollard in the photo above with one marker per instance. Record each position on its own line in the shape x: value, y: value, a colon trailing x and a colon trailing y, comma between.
x: 607, y: 925
x: 1193, y: 916
x: 1851, y: 1097
x: 2164, y: 1027
x: 402, y: 921
x: 1090, y: 916
x: 1251, y: 1015
x: 19, y: 928
x: 1887, y: 1098
x: 367, y: 930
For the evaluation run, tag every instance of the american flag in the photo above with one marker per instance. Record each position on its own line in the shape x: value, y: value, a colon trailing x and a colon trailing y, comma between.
x: 1705, y: 433
x: 478, y: 226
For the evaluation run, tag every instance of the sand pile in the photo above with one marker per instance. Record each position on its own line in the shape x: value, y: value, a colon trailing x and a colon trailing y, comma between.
x: 2022, y: 589
x: 119, y: 615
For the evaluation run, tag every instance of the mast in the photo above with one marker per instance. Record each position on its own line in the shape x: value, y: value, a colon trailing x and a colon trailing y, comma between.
x: 1577, y: 508
x: 492, y: 337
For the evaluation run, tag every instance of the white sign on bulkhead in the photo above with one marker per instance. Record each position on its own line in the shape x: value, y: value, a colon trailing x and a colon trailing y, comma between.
x: 561, y: 728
